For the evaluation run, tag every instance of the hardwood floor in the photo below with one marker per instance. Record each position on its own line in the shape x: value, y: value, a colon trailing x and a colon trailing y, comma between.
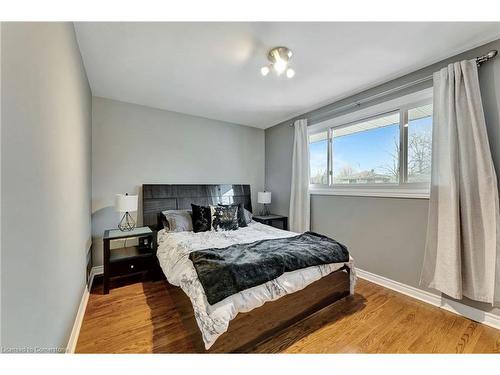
x: 140, y: 318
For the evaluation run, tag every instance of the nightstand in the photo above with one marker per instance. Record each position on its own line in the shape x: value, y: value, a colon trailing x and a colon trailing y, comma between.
x: 128, y: 260
x: 272, y: 219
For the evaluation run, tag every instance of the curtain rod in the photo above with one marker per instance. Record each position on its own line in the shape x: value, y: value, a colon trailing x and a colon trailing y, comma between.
x: 479, y: 60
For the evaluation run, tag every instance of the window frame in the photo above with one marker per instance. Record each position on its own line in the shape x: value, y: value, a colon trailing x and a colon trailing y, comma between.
x: 328, y: 158
x: 403, y: 189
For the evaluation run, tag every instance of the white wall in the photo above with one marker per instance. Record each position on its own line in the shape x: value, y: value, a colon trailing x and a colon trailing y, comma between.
x: 134, y: 145
x: 46, y: 183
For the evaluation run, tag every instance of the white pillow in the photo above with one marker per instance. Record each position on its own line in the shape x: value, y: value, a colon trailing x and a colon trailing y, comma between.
x: 178, y: 220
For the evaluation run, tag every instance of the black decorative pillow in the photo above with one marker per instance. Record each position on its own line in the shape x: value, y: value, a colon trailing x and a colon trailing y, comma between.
x: 202, y: 218
x: 225, y: 218
x: 247, y: 215
x: 241, y: 213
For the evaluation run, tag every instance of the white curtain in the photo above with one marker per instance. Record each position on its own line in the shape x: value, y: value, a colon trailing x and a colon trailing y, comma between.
x: 299, y: 197
x: 462, y: 256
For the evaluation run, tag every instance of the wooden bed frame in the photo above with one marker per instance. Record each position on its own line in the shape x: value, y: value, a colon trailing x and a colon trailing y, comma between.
x: 248, y: 329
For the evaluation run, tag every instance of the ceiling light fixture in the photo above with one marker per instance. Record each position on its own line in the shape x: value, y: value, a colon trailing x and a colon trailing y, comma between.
x: 279, y: 58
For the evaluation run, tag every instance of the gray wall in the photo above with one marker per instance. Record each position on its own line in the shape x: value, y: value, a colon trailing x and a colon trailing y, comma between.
x: 134, y: 145
x: 385, y: 235
x: 46, y: 183
x: 381, y: 233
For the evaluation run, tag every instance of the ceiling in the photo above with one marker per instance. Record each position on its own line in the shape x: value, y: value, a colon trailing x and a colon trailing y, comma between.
x: 212, y: 70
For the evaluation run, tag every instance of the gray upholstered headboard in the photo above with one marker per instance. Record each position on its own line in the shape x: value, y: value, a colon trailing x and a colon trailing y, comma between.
x: 158, y: 197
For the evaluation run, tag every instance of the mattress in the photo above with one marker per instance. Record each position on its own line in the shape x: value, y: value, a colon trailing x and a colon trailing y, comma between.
x: 213, y: 320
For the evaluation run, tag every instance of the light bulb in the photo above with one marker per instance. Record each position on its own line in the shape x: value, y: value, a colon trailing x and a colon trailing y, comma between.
x: 290, y: 73
x: 280, y: 66
x: 264, y: 70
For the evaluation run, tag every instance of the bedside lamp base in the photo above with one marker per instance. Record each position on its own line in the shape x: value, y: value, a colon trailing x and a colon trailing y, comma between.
x: 127, y: 223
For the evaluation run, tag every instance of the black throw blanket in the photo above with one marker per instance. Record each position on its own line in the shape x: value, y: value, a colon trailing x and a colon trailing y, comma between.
x: 227, y: 271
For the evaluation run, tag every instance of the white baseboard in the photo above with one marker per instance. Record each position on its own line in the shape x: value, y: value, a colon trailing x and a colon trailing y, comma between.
x: 410, y: 291
x: 472, y: 313
x: 455, y: 307
x: 77, y: 325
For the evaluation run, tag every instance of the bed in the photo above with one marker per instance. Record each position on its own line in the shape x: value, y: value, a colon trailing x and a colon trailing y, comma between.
x: 244, y: 319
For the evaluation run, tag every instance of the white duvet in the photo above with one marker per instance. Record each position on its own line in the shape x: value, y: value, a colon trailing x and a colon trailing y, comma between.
x: 213, y: 320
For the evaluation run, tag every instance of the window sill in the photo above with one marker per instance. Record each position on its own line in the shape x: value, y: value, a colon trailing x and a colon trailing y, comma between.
x: 373, y: 192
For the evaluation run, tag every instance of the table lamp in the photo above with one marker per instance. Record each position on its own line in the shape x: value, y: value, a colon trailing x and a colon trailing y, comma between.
x: 126, y: 203
x: 264, y: 197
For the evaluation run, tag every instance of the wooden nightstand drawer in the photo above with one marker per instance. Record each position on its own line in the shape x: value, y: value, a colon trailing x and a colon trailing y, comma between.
x: 129, y: 266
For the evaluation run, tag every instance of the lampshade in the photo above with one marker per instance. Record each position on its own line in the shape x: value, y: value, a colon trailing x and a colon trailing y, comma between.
x: 126, y: 203
x: 264, y: 197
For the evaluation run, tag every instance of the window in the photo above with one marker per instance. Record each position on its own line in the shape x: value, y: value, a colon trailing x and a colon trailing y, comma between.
x: 420, y: 144
x: 367, y: 152
x: 318, y: 150
x: 381, y: 153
